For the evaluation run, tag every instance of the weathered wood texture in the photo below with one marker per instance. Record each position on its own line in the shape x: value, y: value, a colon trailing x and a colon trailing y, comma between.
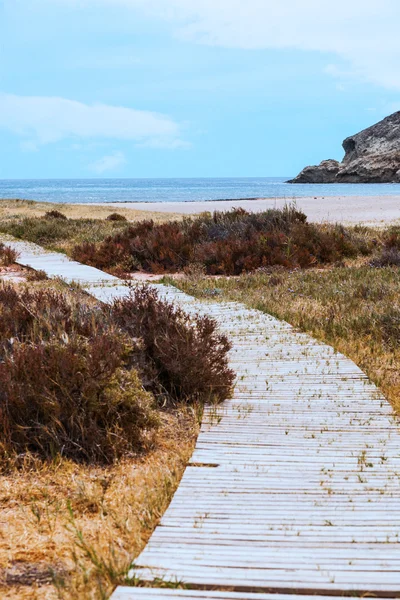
x: 294, y: 483
x: 129, y: 593
x: 56, y: 264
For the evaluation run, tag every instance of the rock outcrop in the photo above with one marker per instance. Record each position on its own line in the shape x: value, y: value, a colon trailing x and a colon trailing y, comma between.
x: 371, y: 156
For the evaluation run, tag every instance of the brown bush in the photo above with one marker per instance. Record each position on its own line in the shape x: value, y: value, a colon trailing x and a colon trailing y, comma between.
x: 74, y: 398
x: 76, y: 379
x: 184, y: 357
x: 41, y: 314
x: 64, y: 383
x: 8, y: 255
x: 116, y: 217
x: 388, y: 252
x: 387, y: 257
x: 391, y: 238
x: 36, y: 275
x: 54, y: 214
x: 226, y: 243
x: 102, y: 256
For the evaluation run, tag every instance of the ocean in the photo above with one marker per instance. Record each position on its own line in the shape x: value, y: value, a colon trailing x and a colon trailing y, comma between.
x: 86, y: 191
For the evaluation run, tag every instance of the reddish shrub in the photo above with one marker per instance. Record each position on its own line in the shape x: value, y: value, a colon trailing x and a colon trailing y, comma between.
x: 102, y: 256
x: 55, y: 214
x: 65, y: 385
x: 8, y: 255
x: 116, y: 217
x: 42, y: 314
x: 227, y: 243
x: 33, y: 275
x: 159, y: 248
x: 69, y: 378
x: 388, y: 254
x: 185, y: 357
x: 392, y: 239
x: 72, y: 397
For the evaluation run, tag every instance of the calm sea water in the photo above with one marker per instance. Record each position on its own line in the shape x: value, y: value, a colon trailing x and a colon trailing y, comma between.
x: 178, y: 190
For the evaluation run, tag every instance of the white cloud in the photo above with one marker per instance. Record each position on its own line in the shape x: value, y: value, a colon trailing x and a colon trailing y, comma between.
x: 108, y: 163
x: 44, y: 120
x: 363, y: 32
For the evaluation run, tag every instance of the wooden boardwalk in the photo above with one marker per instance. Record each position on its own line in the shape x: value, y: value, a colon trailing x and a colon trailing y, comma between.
x: 137, y: 593
x: 293, y: 487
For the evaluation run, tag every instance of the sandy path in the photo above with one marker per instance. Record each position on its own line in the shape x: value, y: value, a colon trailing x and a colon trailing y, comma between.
x: 345, y: 209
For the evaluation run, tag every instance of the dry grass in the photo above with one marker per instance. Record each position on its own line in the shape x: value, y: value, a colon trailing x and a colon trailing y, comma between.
x: 71, y: 531
x: 356, y: 309
x: 30, y: 208
x: 35, y: 222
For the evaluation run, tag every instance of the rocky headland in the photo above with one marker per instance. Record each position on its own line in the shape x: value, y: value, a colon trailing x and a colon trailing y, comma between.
x: 371, y: 156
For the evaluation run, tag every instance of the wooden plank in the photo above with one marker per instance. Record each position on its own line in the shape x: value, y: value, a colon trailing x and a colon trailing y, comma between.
x: 307, y: 429
x: 128, y: 593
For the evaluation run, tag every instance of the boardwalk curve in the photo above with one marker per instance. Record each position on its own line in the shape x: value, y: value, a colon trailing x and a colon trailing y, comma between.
x: 293, y: 487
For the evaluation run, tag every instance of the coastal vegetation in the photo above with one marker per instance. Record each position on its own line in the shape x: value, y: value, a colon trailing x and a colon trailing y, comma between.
x: 224, y: 243
x: 18, y: 209
x: 61, y: 226
x: 108, y: 398
x: 84, y: 381
x: 99, y: 409
x: 8, y: 255
x: 220, y: 243
x: 60, y: 234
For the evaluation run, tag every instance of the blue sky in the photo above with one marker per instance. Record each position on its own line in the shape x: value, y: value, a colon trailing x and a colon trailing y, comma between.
x: 190, y: 88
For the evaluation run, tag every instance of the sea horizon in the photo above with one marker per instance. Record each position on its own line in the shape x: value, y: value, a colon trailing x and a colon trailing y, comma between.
x: 178, y: 189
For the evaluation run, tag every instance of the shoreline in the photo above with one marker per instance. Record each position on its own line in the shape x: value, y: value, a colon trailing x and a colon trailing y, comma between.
x: 342, y: 209
x: 351, y: 210
x: 254, y: 199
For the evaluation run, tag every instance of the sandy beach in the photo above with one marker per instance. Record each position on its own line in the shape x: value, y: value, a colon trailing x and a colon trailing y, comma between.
x: 344, y: 209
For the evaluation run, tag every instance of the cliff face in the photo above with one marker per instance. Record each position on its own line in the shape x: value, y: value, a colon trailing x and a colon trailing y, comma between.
x: 371, y: 156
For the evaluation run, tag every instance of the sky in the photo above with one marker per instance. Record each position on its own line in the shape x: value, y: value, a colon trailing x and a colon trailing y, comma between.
x: 190, y: 88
